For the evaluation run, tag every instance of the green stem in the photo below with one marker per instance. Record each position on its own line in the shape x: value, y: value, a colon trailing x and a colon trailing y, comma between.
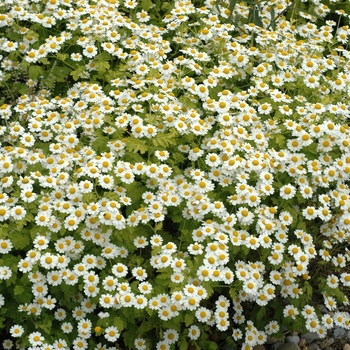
x: 10, y: 92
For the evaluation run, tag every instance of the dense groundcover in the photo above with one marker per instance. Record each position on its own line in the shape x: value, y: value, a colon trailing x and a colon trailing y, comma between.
x: 174, y: 175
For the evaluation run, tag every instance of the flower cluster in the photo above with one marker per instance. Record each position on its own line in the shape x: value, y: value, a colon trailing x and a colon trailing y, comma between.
x: 169, y: 169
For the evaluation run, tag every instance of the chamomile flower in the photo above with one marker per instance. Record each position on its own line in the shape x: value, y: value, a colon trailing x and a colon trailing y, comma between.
x: 18, y: 212
x: 7, y: 344
x: 41, y: 242
x: 16, y: 331
x: 332, y: 281
x: 285, y: 218
x: 171, y: 336
x: 5, y: 246
x: 194, y: 332
x: 162, y: 155
x: 111, y: 333
x: 48, y: 260
x: 341, y: 318
x: 139, y: 273
x: 107, y: 300
x: 237, y: 334
x: 90, y: 51
x: 245, y: 216
x: 324, y: 213
x: 212, y: 160
x: 140, y: 344
x: 290, y: 311
x: 203, y: 314
x: 287, y: 191
x: 156, y: 240
x: 36, y: 339
x: 145, y: 287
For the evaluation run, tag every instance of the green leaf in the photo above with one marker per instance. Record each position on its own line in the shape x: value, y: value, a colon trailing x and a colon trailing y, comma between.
x: 208, y: 345
x: 35, y: 231
x: 339, y: 296
x: 264, y: 254
x: 245, y: 250
x: 167, y: 6
x: 209, y: 288
x: 111, y: 195
x: 133, y: 157
x: 213, y: 92
x: 102, y: 66
x: 34, y: 72
x: 62, y: 56
x: 19, y: 240
x: 261, y: 313
x: 11, y: 261
x: 279, y: 139
x: 144, y: 328
x: 2, y: 322
x: 301, y: 225
x: 297, y: 324
x: 29, y: 217
x: 136, y: 145
x: 88, y: 197
x: 158, y: 226
x: 135, y: 191
x: 76, y: 73
x: 164, y: 140
x: 307, y: 289
x: 44, y: 60
x: 20, y: 224
x: 176, y: 158
x: 100, y: 144
x: 163, y: 276
x: 18, y: 290
x: 189, y: 319
x: 183, y: 345
x: 60, y: 73
x: 311, y: 151
x: 231, y: 8
x: 272, y: 15
x: 103, y: 56
x: 156, y: 250
x: 23, y: 89
x: 146, y: 4
x: 3, y: 231
x: 254, y: 12
x: 118, y: 322
x: 186, y: 101
x: 20, y: 294
x: 233, y: 293
x: 6, y: 78
x: 129, y: 336
x: 46, y: 327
